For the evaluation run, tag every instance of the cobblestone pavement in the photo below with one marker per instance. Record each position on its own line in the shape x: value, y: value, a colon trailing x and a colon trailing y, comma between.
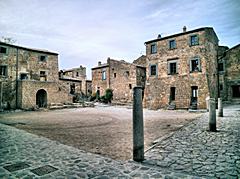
x: 28, y: 152
x: 195, y: 150
x: 191, y: 152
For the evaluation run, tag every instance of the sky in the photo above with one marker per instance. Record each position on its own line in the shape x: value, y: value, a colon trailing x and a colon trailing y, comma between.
x: 84, y: 32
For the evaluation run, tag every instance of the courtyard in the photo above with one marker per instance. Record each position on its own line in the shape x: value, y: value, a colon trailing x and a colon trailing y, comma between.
x: 104, y: 130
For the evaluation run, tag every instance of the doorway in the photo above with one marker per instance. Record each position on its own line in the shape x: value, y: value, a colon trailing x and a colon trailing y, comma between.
x: 172, y: 94
x: 41, y: 98
x: 236, y: 91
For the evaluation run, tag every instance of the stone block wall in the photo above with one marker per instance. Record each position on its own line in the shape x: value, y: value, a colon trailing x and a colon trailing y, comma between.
x: 157, y: 91
x: 28, y: 90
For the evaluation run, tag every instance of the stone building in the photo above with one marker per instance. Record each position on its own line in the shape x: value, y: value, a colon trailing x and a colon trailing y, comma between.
x: 29, y: 77
x: 181, y: 69
x: 120, y: 76
x: 229, y: 73
x: 75, y: 81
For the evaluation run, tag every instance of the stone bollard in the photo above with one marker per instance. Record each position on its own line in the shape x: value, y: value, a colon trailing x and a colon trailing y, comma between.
x: 138, y: 134
x: 212, y: 115
x: 220, y: 108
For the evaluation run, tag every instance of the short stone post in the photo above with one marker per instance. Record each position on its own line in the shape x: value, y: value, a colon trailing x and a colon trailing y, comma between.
x: 212, y: 115
x: 138, y: 134
x: 220, y: 108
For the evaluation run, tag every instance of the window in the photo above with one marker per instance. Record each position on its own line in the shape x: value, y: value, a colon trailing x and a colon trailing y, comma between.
x: 195, y: 65
x: 172, y: 44
x: 3, y: 71
x: 72, y: 88
x: 42, y: 73
x: 153, y: 48
x: 127, y: 73
x: 3, y: 50
x: 220, y: 67
x: 77, y: 74
x: 42, y: 58
x: 23, y: 76
x: 194, y: 91
x: 153, y: 70
x: 172, y: 67
x: 130, y: 86
x: 43, y: 76
x: 194, y: 40
x: 115, y: 75
x: 103, y: 75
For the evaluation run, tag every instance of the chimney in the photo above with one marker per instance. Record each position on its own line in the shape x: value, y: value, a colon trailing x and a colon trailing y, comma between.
x: 159, y: 36
x: 184, y: 29
x: 99, y: 63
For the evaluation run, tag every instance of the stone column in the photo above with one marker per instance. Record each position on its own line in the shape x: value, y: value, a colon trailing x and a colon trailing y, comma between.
x: 220, y: 108
x: 212, y: 115
x: 138, y: 134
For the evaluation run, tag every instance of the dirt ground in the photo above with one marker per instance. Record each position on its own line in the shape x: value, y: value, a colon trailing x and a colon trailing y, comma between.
x: 102, y: 130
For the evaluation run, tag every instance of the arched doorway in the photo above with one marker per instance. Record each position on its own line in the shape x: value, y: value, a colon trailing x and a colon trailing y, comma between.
x: 41, y: 98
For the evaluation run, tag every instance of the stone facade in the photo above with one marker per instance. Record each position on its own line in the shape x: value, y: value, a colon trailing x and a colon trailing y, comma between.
x: 229, y: 73
x: 181, y: 69
x: 29, y: 77
x: 75, y: 80
x: 120, y: 76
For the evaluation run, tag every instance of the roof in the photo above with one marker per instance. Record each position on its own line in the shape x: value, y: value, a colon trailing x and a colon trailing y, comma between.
x: 236, y: 46
x: 27, y: 48
x: 100, y: 66
x: 179, y: 34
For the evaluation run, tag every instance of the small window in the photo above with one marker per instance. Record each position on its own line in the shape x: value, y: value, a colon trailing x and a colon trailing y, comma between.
x: 72, y: 88
x: 220, y: 67
x: 153, y: 48
x: 127, y: 73
x: 77, y: 74
x: 172, y: 44
x: 42, y: 73
x: 42, y: 58
x: 195, y: 65
x: 23, y: 76
x: 130, y: 86
x: 194, y: 40
x: 3, y: 71
x: 153, y: 70
x: 3, y: 50
x: 103, y: 75
x: 115, y: 75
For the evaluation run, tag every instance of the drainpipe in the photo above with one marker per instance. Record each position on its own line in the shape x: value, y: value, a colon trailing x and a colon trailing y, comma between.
x: 17, y: 79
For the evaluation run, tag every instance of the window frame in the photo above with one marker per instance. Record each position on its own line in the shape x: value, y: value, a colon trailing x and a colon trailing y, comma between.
x: 169, y: 62
x: 172, y: 42
x: 45, y: 58
x: 191, y: 65
x: 150, y: 70
x: 5, y: 48
x: 153, y: 48
x: 222, y: 65
x: 104, y: 75
x: 5, y: 74
x: 194, y: 43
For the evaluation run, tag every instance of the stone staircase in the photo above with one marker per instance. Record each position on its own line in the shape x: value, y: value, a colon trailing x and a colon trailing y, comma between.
x: 171, y: 106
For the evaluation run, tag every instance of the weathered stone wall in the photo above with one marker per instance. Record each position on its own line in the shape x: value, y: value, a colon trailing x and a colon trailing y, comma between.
x: 122, y: 80
x: 29, y: 89
x: 97, y: 81
x: 232, y: 74
x: 157, y: 91
x: 65, y: 85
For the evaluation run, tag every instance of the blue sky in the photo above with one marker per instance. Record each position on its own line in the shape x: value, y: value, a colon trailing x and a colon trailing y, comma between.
x: 84, y: 32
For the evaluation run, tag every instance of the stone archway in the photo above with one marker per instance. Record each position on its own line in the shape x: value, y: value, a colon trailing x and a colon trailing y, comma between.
x: 41, y: 98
